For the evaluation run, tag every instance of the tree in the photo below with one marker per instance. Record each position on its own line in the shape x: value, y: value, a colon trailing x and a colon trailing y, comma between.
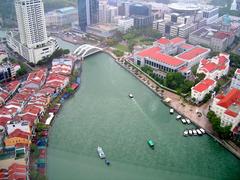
x: 21, y: 71
x: 223, y: 132
x: 199, y: 77
x: 194, y: 69
x: 34, y: 150
x: 174, y: 80
x: 147, y: 69
x: 207, y: 97
x: 118, y: 53
x: 66, y: 51
x: 40, y: 127
x: 234, y: 60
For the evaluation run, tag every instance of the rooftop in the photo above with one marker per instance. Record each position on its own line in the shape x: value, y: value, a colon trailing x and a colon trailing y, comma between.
x: 204, y: 85
x: 232, y: 98
x: 154, y: 53
x: 189, y: 55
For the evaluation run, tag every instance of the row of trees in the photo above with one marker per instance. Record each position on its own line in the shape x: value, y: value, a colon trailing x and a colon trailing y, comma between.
x: 223, y: 132
x: 56, y: 54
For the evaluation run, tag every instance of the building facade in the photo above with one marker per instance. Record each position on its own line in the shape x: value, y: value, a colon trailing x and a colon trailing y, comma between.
x: 236, y: 80
x: 227, y: 107
x: 31, y: 42
x: 88, y: 12
x: 61, y: 17
x: 124, y: 24
x: 31, y: 22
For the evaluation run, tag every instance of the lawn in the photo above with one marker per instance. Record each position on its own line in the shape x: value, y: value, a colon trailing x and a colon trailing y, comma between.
x: 122, y: 47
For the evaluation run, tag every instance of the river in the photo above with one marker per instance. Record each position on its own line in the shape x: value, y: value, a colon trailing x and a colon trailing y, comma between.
x: 101, y: 113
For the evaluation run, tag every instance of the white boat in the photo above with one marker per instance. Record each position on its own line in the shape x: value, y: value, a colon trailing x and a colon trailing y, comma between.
x: 130, y: 95
x: 190, y: 132
x: 178, y: 117
x: 188, y: 121
x: 199, y: 132
x: 100, y: 152
x: 171, y: 111
x: 194, y: 132
x: 183, y: 121
x: 202, y: 130
x: 185, y: 133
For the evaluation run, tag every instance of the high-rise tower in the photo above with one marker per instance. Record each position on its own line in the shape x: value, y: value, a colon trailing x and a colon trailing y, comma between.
x: 31, y: 22
x: 88, y: 12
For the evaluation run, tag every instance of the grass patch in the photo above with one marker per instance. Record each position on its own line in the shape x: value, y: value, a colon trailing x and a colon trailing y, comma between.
x: 122, y: 48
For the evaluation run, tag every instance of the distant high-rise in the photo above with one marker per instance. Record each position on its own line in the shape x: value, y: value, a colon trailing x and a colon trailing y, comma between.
x: 31, y: 22
x: 88, y: 12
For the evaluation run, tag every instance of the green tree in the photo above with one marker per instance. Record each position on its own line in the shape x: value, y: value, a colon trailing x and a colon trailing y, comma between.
x: 40, y: 127
x: 118, y: 53
x: 148, y: 70
x: 207, y: 97
x: 174, y: 80
x: 21, y: 71
x: 66, y: 51
x: 223, y: 132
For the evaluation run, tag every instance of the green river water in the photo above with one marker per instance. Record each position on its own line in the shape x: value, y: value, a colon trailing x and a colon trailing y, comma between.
x: 101, y: 113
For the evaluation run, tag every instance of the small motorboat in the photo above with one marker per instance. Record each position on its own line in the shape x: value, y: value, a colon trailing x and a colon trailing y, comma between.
x: 190, y: 132
x: 199, y: 132
x: 188, y: 121
x: 100, y: 152
x: 150, y: 143
x: 178, y: 117
x: 202, y: 130
x: 107, y: 162
x: 130, y: 95
x: 183, y: 121
x: 194, y: 132
x: 185, y: 133
x: 171, y: 111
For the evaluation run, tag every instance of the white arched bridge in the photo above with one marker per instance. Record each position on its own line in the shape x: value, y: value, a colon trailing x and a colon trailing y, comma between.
x: 86, y: 50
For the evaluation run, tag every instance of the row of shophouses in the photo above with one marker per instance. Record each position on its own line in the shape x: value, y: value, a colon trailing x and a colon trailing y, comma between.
x: 176, y: 55
x: 21, y: 112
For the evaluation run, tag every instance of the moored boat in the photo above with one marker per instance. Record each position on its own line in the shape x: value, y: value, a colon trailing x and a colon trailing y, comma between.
x: 150, y: 143
x: 183, y: 121
x: 100, y: 152
x: 202, y: 130
x: 185, y: 133
x: 199, y: 132
x: 194, y: 132
x: 188, y: 121
x: 190, y: 132
x: 178, y: 117
x: 171, y: 111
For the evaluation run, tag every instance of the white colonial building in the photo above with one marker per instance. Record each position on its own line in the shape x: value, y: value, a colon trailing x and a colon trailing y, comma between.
x: 227, y: 107
x: 215, y: 67
x: 236, y: 80
x: 31, y: 42
x: 199, y: 91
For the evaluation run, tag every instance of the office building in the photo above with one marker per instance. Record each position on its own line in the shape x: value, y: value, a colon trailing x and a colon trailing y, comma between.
x: 124, y: 24
x: 88, y: 12
x: 61, y: 17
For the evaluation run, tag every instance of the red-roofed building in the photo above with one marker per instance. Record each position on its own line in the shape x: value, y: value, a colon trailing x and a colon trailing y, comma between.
x: 194, y: 55
x: 17, y: 172
x: 13, y: 86
x: 56, y: 81
x: 36, y: 79
x: 199, y: 91
x: 159, y: 61
x: 215, y: 67
x: 227, y: 107
x: 236, y: 80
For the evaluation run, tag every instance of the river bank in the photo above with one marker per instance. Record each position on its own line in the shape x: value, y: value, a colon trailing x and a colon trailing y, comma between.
x: 177, y: 103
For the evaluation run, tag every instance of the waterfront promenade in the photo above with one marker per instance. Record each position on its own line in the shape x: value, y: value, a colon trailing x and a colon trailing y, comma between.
x: 177, y: 102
